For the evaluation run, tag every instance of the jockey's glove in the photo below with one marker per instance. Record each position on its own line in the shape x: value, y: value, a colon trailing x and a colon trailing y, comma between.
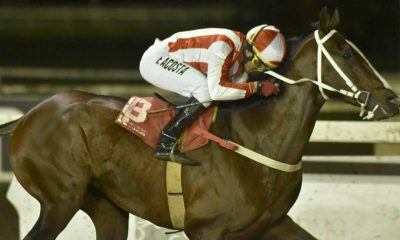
x: 267, y: 88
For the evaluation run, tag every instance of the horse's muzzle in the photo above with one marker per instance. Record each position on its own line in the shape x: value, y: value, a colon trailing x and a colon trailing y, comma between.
x: 393, y: 104
x: 394, y: 100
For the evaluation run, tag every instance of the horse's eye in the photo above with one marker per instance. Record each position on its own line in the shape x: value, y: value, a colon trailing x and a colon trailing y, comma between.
x: 347, y: 55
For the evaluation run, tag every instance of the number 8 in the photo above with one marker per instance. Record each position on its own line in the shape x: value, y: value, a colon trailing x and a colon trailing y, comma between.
x: 141, y: 111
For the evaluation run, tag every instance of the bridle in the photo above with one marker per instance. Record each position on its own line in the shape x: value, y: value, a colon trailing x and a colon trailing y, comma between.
x: 355, y: 92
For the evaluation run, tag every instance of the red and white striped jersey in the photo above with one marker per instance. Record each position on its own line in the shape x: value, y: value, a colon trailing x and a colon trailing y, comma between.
x: 217, y: 53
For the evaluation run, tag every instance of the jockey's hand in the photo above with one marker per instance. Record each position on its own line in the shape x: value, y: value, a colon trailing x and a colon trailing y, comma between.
x: 267, y: 88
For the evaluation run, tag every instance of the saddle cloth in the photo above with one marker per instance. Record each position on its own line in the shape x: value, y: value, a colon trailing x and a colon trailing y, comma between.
x: 137, y: 117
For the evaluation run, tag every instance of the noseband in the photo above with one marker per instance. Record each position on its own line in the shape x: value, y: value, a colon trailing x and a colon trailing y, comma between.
x: 362, y: 97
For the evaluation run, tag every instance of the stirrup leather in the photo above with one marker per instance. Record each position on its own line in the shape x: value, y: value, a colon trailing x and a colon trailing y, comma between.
x: 172, y: 152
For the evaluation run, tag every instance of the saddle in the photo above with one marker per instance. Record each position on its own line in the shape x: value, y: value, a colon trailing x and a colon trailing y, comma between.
x: 146, y: 117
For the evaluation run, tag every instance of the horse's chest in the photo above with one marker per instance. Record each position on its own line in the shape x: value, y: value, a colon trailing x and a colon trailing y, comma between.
x: 271, y: 199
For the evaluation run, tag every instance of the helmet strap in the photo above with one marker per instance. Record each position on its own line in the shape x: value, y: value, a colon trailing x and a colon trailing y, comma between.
x: 247, y: 48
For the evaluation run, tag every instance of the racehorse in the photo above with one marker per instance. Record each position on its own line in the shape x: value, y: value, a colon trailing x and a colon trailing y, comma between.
x: 69, y: 154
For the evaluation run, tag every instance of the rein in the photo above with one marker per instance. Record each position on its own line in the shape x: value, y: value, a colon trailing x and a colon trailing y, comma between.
x: 356, y: 93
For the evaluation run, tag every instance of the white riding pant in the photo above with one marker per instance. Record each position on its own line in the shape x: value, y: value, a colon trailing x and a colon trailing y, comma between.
x: 159, y: 69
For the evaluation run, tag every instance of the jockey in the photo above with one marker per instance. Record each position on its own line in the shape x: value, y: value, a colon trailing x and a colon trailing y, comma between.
x: 208, y: 65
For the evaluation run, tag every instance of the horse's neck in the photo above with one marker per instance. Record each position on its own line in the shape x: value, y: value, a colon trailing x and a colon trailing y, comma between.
x: 279, y: 128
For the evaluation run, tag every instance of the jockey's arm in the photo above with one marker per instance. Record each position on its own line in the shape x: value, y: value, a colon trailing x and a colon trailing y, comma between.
x: 220, y: 59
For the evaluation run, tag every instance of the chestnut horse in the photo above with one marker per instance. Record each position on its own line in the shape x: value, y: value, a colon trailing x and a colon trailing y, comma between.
x: 69, y: 154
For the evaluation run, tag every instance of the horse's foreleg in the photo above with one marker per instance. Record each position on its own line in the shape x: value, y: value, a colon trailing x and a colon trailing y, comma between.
x: 285, y: 229
x: 206, y: 234
x: 110, y: 221
x: 52, y: 220
x: 205, y: 229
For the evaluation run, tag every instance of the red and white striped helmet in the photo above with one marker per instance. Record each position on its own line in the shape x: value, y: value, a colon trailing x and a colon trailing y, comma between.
x: 268, y: 44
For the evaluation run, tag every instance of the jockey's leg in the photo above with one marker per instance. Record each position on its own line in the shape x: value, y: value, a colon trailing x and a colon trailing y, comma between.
x: 163, y: 71
x: 166, y: 148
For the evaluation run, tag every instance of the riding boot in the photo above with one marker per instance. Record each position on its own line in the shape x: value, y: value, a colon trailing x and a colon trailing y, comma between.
x: 167, y: 148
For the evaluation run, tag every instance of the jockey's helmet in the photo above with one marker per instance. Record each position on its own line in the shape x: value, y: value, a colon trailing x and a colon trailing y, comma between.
x: 268, y: 45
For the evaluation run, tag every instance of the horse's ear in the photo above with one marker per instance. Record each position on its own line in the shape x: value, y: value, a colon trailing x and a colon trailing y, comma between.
x: 326, y: 22
x: 324, y: 18
x: 335, y: 19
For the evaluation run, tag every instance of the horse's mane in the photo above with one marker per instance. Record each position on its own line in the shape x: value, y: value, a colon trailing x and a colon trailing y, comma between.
x: 293, y: 44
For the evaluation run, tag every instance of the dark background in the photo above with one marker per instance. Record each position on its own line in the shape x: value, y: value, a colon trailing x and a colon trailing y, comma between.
x: 42, y: 34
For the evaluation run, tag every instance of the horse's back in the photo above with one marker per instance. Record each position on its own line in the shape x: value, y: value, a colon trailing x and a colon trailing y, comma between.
x: 71, y: 107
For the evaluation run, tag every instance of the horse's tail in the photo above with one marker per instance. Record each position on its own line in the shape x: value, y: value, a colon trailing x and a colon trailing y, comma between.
x: 9, y: 127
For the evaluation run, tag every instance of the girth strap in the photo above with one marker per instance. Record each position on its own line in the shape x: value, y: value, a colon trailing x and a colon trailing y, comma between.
x: 176, y: 204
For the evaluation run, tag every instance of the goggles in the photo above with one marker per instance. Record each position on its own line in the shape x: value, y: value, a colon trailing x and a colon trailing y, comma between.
x: 258, y: 63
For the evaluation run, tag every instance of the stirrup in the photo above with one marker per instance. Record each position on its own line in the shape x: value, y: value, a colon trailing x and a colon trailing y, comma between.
x: 169, y: 154
x: 181, y: 158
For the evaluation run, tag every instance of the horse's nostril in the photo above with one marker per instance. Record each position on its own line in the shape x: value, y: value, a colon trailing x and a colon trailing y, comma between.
x: 393, y: 99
